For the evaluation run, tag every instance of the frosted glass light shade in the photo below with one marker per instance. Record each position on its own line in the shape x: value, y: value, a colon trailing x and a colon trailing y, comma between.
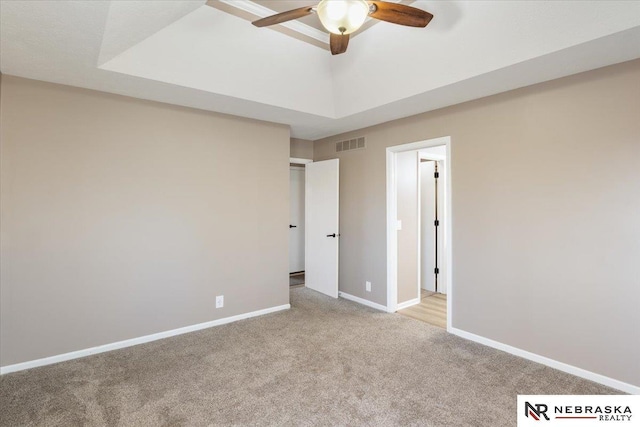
x: 342, y: 16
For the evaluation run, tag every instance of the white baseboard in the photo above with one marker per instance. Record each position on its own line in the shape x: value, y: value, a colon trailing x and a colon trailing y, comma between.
x: 573, y: 370
x: 406, y: 304
x: 135, y: 341
x: 362, y: 301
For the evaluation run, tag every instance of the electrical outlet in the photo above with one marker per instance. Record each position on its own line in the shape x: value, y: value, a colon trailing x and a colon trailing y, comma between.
x: 220, y: 301
x: 367, y: 286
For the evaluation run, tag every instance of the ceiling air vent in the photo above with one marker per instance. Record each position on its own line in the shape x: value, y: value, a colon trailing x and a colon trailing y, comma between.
x: 350, y: 144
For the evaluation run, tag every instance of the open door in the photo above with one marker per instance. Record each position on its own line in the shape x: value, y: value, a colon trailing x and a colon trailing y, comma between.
x: 322, y: 230
x: 428, y: 237
x: 296, y: 219
x: 433, y: 266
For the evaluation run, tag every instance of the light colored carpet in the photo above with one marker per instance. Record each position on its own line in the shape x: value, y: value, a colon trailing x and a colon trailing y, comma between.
x: 324, y: 362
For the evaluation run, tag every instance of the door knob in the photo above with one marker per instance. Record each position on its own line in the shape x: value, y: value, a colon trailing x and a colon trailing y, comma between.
x: 332, y: 235
x: 292, y: 226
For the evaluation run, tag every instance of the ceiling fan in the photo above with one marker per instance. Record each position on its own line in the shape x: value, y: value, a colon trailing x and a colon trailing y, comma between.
x: 343, y: 17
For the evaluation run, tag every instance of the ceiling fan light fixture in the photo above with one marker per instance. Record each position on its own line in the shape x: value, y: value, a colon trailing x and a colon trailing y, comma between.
x: 342, y: 16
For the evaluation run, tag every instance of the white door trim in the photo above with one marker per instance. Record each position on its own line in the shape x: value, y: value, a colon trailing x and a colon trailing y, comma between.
x: 408, y: 304
x: 431, y: 156
x: 392, y: 221
x: 419, y: 218
x: 299, y: 161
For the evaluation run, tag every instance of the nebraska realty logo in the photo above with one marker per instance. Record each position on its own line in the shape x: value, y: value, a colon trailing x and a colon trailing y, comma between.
x: 578, y: 410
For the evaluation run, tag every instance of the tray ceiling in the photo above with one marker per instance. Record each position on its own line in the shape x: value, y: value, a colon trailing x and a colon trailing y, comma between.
x: 307, y: 29
x: 187, y: 53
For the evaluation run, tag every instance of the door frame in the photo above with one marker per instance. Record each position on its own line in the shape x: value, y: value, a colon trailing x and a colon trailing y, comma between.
x: 392, y: 221
x: 301, y: 169
x: 299, y: 161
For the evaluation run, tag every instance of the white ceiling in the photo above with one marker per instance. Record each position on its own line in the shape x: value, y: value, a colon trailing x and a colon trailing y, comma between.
x: 186, y: 53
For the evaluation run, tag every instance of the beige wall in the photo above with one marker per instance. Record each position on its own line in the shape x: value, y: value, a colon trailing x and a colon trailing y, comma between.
x: 122, y: 218
x: 409, y: 235
x: 546, y: 223
x: 301, y: 148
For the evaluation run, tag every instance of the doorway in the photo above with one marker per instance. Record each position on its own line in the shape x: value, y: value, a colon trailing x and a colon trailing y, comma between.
x: 432, y: 307
x: 314, y: 225
x: 432, y: 219
x: 419, y: 230
x: 296, y: 221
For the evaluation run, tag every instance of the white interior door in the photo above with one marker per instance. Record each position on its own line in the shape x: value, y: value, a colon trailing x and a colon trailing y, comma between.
x: 427, y: 228
x: 296, y: 219
x: 322, y: 229
x: 432, y: 239
x: 442, y: 242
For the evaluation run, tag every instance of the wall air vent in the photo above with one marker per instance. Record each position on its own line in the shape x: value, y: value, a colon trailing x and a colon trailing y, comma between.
x: 350, y: 144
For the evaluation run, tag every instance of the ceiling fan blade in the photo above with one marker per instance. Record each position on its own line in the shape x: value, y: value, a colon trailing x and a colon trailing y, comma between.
x: 338, y: 43
x: 399, y: 14
x: 284, y: 16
